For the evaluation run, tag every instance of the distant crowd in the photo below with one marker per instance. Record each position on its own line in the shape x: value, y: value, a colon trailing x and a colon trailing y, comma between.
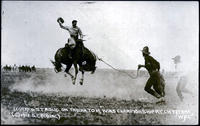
x: 20, y: 68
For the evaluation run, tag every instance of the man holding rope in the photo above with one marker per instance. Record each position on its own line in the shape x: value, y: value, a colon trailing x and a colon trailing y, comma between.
x: 156, y: 79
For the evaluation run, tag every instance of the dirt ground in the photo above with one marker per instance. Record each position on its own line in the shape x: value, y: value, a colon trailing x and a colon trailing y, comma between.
x: 106, y: 97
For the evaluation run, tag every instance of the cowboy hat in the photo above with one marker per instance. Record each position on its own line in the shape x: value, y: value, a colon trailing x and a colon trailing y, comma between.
x: 145, y: 50
x: 60, y: 20
x: 74, y: 21
x: 177, y: 58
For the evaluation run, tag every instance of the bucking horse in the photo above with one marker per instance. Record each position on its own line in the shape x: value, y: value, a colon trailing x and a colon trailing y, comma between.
x: 81, y: 56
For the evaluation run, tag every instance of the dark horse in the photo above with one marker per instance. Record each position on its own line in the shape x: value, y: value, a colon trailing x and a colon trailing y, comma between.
x: 82, y: 56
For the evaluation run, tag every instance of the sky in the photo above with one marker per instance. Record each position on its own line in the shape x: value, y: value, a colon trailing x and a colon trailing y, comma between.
x: 115, y: 31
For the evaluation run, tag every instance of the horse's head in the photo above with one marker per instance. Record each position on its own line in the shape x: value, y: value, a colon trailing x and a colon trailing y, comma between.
x: 57, y: 66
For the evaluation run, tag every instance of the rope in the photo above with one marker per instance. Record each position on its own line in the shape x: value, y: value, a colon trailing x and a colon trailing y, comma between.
x: 113, y: 67
x: 118, y: 70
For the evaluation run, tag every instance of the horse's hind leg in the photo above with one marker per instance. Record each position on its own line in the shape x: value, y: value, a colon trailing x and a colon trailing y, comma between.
x: 82, y: 79
x: 76, y: 72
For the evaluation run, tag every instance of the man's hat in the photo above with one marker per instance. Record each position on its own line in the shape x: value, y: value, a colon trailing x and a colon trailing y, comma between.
x: 60, y: 20
x: 74, y: 21
x: 146, y: 50
x: 177, y: 59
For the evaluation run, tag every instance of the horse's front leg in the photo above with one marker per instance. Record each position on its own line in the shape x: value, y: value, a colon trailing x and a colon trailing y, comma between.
x: 67, y: 71
x: 76, y: 72
x: 69, y: 75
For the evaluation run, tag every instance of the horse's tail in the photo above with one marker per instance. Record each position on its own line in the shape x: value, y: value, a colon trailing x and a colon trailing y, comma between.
x: 93, y: 54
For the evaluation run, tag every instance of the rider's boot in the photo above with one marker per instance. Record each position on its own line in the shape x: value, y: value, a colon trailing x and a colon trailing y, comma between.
x: 70, y: 54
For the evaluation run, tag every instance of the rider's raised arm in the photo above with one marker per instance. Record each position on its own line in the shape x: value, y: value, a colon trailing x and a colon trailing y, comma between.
x: 64, y: 27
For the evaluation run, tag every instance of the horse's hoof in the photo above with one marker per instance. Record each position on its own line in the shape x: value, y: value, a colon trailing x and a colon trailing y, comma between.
x: 73, y: 79
x: 81, y: 82
x: 73, y: 82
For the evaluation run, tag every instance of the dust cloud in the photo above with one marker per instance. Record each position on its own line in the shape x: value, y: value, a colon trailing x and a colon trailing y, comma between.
x: 103, y: 83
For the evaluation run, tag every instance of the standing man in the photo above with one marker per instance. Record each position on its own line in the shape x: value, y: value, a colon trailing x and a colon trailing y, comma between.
x: 156, y: 79
x: 176, y: 60
x: 74, y: 32
x: 182, y: 77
